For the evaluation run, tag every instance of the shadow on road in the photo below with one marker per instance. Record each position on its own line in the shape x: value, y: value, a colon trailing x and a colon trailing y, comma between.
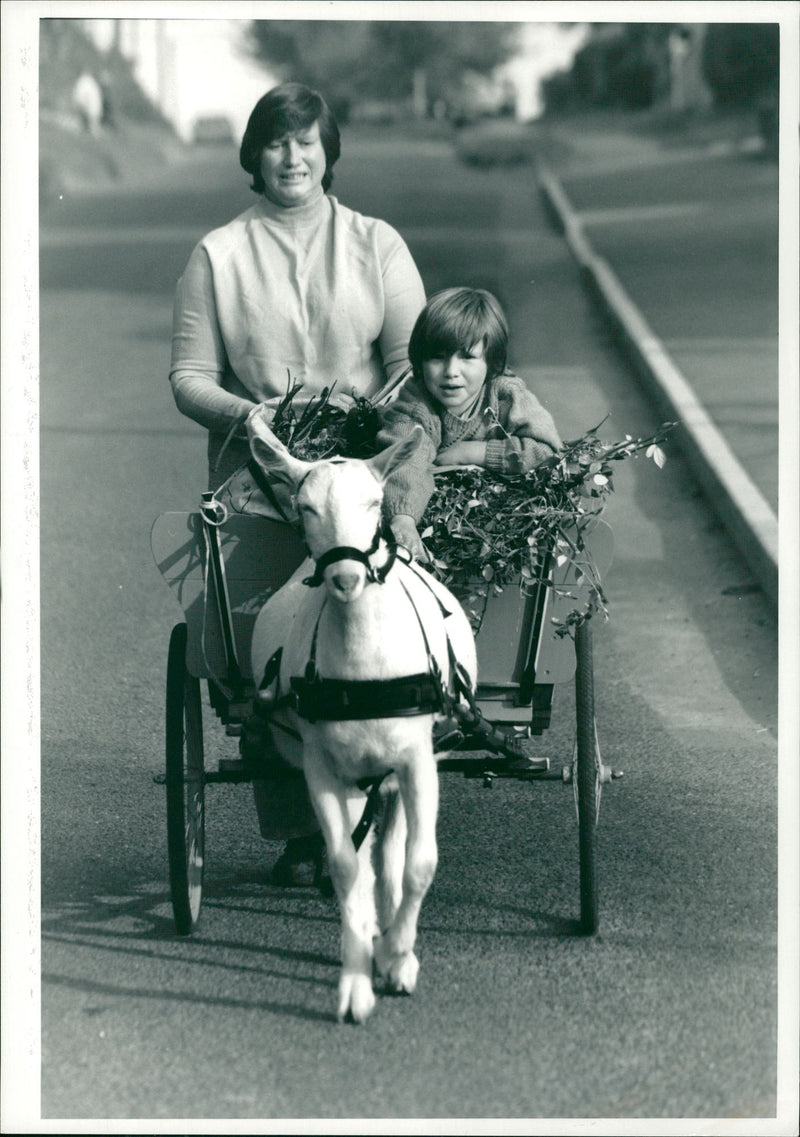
x: 93, y: 987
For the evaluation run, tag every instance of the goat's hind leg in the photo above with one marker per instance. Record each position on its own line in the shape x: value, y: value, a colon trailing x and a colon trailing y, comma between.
x: 394, y: 948
x: 351, y: 873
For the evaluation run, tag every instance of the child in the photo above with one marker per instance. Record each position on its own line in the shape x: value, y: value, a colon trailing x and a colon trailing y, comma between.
x: 473, y: 411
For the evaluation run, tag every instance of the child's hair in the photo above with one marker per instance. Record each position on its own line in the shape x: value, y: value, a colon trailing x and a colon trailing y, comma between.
x: 455, y: 320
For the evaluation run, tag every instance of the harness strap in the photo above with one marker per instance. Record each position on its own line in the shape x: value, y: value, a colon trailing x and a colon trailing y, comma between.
x: 271, y: 670
x: 349, y: 553
x: 311, y: 666
x: 367, y: 817
x: 426, y: 580
x: 460, y: 680
x: 319, y: 699
x: 433, y: 663
x: 347, y: 700
x: 380, y: 574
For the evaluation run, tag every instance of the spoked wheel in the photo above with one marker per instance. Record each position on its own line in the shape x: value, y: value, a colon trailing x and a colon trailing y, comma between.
x: 586, y: 778
x: 185, y: 783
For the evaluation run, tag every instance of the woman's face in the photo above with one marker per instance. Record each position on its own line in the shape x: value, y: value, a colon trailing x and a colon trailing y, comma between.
x: 454, y: 379
x: 293, y: 167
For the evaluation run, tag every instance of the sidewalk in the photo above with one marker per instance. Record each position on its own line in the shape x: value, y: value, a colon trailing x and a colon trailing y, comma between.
x: 662, y: 265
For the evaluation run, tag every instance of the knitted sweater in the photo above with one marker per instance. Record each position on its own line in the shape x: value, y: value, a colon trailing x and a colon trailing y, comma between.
x: 318, y: 293
x: 518, y: 431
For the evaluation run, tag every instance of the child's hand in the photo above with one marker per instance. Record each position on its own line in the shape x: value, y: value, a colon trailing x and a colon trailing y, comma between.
x: 462, y: 454
x: 405, y: 532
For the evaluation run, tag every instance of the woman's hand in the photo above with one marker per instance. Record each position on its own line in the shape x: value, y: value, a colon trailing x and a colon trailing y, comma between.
x: 405, y: 532
x: 462, y: 454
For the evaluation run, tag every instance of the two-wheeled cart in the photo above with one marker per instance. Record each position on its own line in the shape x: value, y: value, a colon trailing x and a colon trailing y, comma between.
x: 223, y: 573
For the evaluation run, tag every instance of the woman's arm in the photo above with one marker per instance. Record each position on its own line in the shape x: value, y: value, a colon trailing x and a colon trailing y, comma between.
x: 199, y: 358
x: 404, y: 299
x: 208, y: 403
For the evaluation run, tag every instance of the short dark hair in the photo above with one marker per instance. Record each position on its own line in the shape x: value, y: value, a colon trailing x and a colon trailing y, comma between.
x: 283, y: 110
x: 455, y: 320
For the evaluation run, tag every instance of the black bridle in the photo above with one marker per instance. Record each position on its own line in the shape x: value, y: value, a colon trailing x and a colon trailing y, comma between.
x: 349, y: 553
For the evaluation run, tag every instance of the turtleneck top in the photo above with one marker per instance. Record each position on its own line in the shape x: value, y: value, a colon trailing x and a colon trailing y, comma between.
x: 315, y: 294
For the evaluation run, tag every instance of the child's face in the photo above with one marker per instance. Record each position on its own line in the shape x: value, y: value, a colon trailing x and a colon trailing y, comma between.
x: 455, y: 379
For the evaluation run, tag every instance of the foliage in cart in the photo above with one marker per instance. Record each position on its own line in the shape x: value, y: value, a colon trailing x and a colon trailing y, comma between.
x: 485, y: 530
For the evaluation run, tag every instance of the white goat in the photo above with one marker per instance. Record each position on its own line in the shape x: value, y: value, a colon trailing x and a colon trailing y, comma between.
x: 356, y: 627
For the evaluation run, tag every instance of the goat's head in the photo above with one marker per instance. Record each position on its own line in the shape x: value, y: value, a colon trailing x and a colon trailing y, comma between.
x: 338, y: 502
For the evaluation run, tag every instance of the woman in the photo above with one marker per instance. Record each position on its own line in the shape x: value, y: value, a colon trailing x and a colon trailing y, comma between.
x: 299, y: 289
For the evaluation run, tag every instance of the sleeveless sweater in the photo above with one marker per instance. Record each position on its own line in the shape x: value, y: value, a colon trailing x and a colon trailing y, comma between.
x: 317, y: 294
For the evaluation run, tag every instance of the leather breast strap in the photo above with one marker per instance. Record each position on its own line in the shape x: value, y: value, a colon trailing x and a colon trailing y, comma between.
x: 320, y: 699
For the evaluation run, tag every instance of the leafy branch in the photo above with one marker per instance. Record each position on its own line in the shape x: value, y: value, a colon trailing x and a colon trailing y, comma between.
x: 485, y: 530
x: 319, y: 429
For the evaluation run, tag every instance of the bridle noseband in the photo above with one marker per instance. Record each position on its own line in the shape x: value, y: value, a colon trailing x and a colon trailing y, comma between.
x: 348, y: 553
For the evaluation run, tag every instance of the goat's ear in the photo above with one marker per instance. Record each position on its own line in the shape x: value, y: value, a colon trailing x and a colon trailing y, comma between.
x: 270, y: 453
x: 395, y: 455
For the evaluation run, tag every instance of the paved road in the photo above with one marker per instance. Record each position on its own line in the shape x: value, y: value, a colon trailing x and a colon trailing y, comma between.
x: 669, y: 1012
x: 693, y: 237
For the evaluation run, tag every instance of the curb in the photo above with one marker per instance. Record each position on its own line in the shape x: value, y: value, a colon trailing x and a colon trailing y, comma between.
x: 739, y: 503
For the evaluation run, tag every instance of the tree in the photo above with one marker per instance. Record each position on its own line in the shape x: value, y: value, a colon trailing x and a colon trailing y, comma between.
x: 397, y: 59
x: 624, y: 65
x: 741, y: 61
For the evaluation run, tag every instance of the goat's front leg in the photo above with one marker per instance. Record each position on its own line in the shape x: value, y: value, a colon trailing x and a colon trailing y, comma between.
x: 351, y: 874
x: 394, y: 949
x: 390, y: 857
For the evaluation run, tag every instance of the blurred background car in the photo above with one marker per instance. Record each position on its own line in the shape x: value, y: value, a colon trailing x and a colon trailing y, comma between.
x: 212, y: 130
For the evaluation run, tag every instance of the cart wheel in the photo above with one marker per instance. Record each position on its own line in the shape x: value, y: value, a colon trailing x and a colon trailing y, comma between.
x: 586, y: 778
x: 185, y: 786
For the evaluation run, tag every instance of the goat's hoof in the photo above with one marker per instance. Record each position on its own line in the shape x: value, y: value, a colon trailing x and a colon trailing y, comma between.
x: 356, y: 998
x: 398, y: 972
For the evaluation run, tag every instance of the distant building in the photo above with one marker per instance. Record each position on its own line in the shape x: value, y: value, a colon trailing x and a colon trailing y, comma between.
x: 149, y: 48
x: 189, y: 69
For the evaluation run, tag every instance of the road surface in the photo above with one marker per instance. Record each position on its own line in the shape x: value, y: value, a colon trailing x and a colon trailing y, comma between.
x: 694, y: 240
